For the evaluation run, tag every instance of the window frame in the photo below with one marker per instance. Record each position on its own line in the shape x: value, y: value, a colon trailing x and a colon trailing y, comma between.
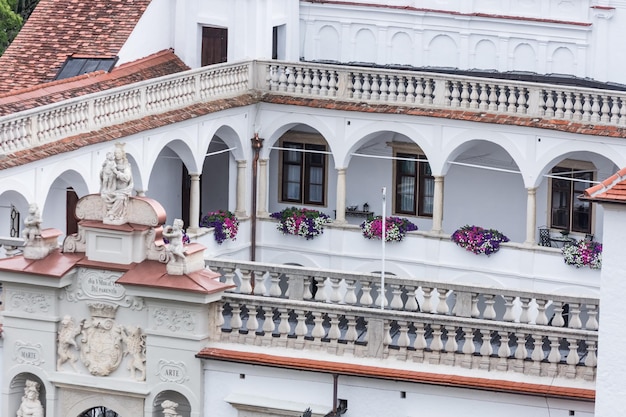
x: 407, y: 150
x: 570, y: 168
x: 306, y: 141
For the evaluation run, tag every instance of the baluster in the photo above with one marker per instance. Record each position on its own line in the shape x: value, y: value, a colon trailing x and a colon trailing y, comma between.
x: 318, y: 331
x: 284, y: 328
x: 393, y: 94
x: 351, y: 333
x: 332, y: 84
x: 468, y: 347
x: 366, y: 297
x: 268, y: 321
x: 520, y: 352
x: 428, y: 91
x: 275, y: 290
x: 229, y: 278
x: 315, y: 90
x: 504, y: 351
x: 291, y: 79
x: 252, y: 324
x: 396, y: 300
x: 490, y: 311
x: 298, y: 88
x: 259, y: 283
x: 475, y: 312
x: 334, y: 333
x: 622, y: 112
x: 451, y: 345
x: 474, y: 96
x: 591, y: 361
x: 485, y: 349
x: 301, y: 329
x: 402, y: 89
x: 375, y: 87
x: 483, y: 98
x: 537, y: 355
x: 426, y: 307
x: 350, y: 297
x: 508, y: 305
x: 578, y: 107
x: 549, y: 104
x: 512, y: 107
x: 335, y: 294
x: 574, y: 316
x: 524, y: 316
x: 554, y: 357
x: 522, y: 106
x: 442, y: 306
x: 324, y: 83
x: 572, y: 358
x: 382, y: 295
x: 595, y: 109
x: 605, y: 117
x: 387, y: 336
x: 592, y: 319
x: 356, y: 92
x: 384, y: 96
x: 557, y: 320
x: 220, y: 316
x: 235, y: 322
x: 541, y: 319
x: 411, y: 300
x: 559, y: 106
x: 320, y: 295
x: 307, y: 82
x: 587, y: 108
x: 420, y: 340
x: 614, y: 111
x: 464, y: 95
x: 436, y: 344
x: 282, y: 79
x: 454, y: 101
x: 493, y: 97
x: 307, y: 294
x: 366, y: 87
x: 502, y: 99
x: 403, y: 338
x: 245, y: 287
x: 415, y: 91
x: 568, y: 106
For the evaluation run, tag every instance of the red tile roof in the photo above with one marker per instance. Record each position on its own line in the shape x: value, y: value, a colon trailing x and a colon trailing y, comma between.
x: 152, y: 66
x: 395, y: 374
x: 59, y: 28
x: 612, y: 189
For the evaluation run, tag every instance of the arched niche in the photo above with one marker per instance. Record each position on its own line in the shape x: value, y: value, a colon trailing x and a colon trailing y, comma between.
x: 183, y: 407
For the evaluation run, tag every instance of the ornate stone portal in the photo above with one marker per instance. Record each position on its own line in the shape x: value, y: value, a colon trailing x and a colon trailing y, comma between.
x: 103, y: 343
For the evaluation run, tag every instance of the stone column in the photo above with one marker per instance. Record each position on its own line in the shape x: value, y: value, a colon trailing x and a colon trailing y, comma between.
x: 194, y: 203
x: 262, y: 197
x: 340, y: 205
x: 438, y: 205
x: 240, y: 209
x: 531, y: 215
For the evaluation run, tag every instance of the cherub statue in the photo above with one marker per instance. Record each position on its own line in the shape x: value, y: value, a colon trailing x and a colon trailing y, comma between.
x: 67, y: 338
x: 32, y: 224
x: 30, y: 406
x: 174, y: 234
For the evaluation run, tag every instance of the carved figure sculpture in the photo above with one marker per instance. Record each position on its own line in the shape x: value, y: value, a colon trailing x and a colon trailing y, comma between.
x: 67, y: 338
x: 136, y: 349
x: 30, y: 406
x: 169, y: 409
x: 174, y: 234
x: 32, y: 224
x: 116, y: 197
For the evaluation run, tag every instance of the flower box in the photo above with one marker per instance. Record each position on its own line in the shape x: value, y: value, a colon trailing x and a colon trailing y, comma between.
x: 395, y: 228
x: 478, y: 240
x: 224, y: 222
x: 302, y: 222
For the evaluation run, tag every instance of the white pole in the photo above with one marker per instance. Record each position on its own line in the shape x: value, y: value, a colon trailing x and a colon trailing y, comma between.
x: 384, y: 238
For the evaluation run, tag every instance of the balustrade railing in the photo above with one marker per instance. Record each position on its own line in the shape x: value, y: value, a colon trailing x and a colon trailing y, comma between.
x: 437, y: 323
x: 312, y: 80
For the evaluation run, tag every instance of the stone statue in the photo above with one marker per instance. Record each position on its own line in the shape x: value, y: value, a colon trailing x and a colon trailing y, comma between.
x: 136, y: 349
x: 169, y: 409
x: 30, y: 406
x: 32, y: 224
x: 174, y: 234
x: 116, y: 185
x: 67, y: 338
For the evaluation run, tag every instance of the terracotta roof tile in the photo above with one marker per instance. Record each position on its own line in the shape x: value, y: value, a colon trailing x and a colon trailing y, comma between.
x: 152, y: 66
x: 59, y: 28
x: 352, y: 369
x: 612, y: 189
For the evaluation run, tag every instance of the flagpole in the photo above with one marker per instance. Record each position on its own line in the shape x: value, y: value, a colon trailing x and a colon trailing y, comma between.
x: 384, y: 238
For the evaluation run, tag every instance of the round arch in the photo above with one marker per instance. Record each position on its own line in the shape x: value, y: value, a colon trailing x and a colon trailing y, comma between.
x: 290, y: 121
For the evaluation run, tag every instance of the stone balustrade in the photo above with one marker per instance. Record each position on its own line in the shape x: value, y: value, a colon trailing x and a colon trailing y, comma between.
x: 333, y: 82
x: 450, y: 324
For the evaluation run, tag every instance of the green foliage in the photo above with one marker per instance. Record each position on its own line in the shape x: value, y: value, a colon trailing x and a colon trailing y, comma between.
x: 10, y: 23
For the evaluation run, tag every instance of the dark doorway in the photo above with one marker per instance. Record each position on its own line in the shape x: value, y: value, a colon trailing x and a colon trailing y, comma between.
x: 214, y: 45
x: 71, y: 224
x: 99, y: 412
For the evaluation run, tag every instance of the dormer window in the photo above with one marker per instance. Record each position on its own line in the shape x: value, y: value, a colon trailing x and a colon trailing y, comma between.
x: 78, y: 66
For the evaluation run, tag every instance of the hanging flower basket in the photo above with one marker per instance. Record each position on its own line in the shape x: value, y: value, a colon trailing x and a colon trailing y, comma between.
x: 478, y: 240
x: 301, y: 222
x: 224, y: 222
x: 395, y: 228
x: 583, y: 253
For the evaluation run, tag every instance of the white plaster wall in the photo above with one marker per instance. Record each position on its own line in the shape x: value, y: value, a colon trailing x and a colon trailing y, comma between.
x: 369, y: 397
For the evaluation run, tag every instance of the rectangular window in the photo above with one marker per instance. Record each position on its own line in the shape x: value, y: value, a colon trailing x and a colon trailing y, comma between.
x: 567, y: 211
x: 304, y: 173
x: 414, y: 185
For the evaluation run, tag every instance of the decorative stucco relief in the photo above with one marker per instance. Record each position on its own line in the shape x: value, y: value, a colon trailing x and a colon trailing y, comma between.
x: 28, y: 353
x: 28, y: 302
x: 174, y: 320
x: 101, y: 285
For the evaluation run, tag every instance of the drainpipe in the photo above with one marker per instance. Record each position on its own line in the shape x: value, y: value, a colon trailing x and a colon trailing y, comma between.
x: 257, y: 144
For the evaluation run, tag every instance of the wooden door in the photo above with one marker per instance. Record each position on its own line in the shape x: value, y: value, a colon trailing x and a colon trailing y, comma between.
x: 214, y: 45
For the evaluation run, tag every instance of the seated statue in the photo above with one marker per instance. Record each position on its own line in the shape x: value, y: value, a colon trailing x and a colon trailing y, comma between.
x: 116, y: 185
x: 30, y: 406
x: 32, y: 224
x: 174, y: 234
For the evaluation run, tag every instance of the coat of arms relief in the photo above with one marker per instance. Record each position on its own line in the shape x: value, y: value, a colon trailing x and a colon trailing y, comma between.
x: 101, y: 343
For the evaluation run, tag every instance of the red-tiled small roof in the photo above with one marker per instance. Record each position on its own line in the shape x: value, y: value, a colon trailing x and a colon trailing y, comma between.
x: 612, y: 189
x: 152, y: 66
x: 55, y: 265
x: 368, y: 371
x: 60, y: 28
